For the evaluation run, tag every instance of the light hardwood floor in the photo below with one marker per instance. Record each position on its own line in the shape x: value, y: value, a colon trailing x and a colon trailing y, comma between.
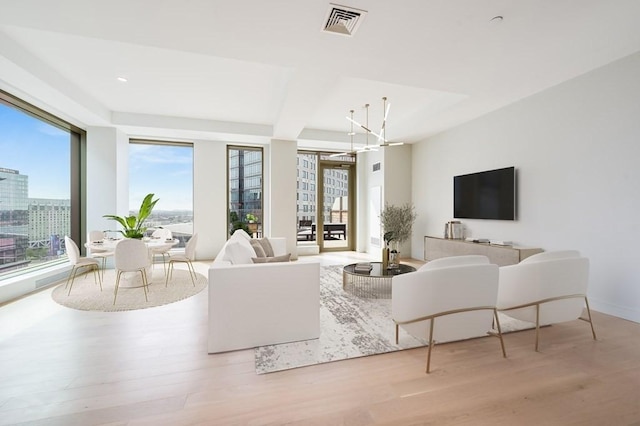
x: 59, y: 366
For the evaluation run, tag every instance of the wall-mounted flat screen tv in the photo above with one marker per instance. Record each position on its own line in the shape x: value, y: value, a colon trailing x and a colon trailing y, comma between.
x: 485, y: 195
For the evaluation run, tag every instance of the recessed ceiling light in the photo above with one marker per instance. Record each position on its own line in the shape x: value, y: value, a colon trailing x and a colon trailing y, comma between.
x: 496, y: 19
x: 122, y: 79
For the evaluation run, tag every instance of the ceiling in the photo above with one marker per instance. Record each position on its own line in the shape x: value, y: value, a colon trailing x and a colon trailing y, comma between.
x: 254, y: 70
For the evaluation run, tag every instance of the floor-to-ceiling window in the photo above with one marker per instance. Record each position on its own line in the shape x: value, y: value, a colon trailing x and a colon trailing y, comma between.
x: 39, y: 186
x: 166, y: 170
x: 244, y: 173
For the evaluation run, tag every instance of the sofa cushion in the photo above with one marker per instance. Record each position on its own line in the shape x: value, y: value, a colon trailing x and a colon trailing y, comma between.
x: 266, y: 246
x: 238, y: 253
x: 257, y: 247
x: 272, y: 259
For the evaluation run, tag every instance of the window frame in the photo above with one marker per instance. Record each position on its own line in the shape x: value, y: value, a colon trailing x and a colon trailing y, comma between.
x: 142, y: 141
x: 77, y: 170
x: 260, y: 149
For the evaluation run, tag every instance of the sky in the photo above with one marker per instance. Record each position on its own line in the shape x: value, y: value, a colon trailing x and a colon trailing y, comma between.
x: 36, y: 149
x: 164, y: 170
x: 41, y: 151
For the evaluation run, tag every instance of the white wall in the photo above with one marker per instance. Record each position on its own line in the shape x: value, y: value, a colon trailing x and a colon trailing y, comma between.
x: 280, y: 199
x: 391, y: 184
x: 397, y: 169
x: 369, y: 182
x: 107, y: 176
x: 576, y: 150
x: 209, y: 197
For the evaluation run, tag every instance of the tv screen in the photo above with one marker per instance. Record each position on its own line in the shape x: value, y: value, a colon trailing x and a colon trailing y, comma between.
x: 485, y: 195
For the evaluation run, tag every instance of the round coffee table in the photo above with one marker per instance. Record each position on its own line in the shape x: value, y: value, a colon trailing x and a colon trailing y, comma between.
x: 375, y: 284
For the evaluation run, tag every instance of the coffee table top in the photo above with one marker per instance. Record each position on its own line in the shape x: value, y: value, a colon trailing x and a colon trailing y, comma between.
x: 378, y: 271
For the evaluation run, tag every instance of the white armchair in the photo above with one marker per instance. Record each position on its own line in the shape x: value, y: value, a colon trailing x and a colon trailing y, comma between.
x: 459, y: 292
x: 472, y: 259
x: 546, y: 288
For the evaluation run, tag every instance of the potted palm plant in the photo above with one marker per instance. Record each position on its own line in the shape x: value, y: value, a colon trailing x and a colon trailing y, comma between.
x: 133, y: 225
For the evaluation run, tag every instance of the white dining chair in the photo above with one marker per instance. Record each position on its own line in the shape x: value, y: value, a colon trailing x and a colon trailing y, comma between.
x: 78, y: 262
x: 132, y: 255
x: 164, y: 235
x: 99, y: 253
x: 186, y: 257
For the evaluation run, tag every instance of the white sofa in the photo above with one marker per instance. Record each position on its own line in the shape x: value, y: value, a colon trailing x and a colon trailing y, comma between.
x: 253, y: 305
x: 546, y: 288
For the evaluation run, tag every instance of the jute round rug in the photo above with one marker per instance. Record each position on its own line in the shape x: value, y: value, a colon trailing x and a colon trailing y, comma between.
x: 86, y: 294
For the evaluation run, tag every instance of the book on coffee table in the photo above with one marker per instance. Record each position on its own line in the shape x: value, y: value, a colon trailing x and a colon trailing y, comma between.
x: 363, y: 267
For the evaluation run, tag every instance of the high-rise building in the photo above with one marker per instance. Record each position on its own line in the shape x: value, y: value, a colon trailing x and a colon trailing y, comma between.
x: 336, y: 189
x: 49, y: 222
x: 245, y: 183
x: 14, y: 218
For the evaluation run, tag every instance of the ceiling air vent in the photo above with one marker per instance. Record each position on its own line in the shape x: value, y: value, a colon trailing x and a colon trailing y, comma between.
x: 343, y: 20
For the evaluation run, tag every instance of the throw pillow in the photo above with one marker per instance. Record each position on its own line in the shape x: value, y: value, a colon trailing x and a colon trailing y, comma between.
x: 272, y: 259
x: 242, y: 232
x: 258, y: 248
x: 239, y: 254
x: 266, y: 246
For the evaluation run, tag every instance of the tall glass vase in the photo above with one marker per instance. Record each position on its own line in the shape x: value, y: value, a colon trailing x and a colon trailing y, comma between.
x: 394, y: 255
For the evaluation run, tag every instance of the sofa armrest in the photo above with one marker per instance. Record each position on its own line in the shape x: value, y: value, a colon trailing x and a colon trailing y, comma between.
x: 263, y: 304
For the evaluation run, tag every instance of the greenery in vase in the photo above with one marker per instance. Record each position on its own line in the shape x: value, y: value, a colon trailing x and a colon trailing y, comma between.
x: 133, y: 225
x: 397, y: 222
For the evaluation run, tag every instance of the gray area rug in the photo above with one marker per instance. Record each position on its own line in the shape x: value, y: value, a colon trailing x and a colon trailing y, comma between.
x: 350, y: 327
x: 86, y: 294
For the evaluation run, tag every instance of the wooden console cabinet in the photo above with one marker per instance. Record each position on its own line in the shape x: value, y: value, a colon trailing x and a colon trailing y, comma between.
x: 435, y: 248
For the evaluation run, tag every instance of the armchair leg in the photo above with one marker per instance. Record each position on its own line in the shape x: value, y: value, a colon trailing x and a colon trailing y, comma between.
x: 497, y: 323
x: 397, y: 332
x: 430, y: 344
x: 537, y: 324
x: 590, y: 321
